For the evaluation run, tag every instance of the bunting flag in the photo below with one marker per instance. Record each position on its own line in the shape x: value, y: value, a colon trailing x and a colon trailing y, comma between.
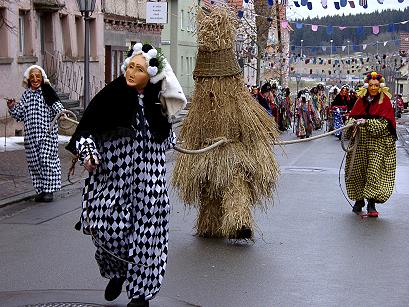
x: 363, y: 3
x: 351, y: 4
x: 324, y: 4
x: 375, y: 30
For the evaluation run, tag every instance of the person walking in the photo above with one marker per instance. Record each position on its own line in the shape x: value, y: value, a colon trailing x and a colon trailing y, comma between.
x: 371, y: 177
x: 38, y: 106
x: 121, y: 140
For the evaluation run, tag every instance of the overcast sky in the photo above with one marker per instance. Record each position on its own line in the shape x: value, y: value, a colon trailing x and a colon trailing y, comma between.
x: 318, y: 11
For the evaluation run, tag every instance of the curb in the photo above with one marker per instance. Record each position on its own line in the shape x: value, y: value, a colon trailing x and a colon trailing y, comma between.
x: 31, y: 194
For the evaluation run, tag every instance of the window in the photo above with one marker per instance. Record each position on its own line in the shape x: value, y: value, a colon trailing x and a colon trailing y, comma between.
x: 80, y: 36
x: 182, y: 71
x: 93, y: 38
x: 400, y: 89
x: 24, y: 33
x: 182, y: 19
x: 66, y: 35
x: 3, y: 33
x: 21, y: 34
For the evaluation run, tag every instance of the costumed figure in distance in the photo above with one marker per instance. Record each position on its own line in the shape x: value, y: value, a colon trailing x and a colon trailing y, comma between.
x: 37, y: 108
x: 371, y: 177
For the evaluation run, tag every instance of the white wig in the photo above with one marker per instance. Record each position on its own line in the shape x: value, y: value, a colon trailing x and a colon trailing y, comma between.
x: 27, y: 75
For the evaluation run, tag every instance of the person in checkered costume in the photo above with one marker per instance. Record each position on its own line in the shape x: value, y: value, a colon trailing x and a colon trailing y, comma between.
x: 372, y: 173
x: 121, y: 140
x: 38, y: 105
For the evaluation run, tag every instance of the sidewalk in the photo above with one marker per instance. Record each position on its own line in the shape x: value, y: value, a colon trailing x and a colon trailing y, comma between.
x: 15, y: 181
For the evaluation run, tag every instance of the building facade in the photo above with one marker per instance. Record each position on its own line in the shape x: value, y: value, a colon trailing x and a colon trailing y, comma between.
x: 179, y: 41
x: 49, y: 33
x: 124, y: 25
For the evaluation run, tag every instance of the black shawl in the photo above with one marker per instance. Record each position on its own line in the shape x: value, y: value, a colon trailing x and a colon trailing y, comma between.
x: 112, y: 114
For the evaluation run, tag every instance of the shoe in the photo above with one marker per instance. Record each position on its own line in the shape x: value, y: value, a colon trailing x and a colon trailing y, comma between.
x: 39, y: 198
x: 138, y: 302
x: 371, y: 209
x: 114, y: 288
x: 242, y: 234
x: 359, y: 204
x: 48, y: 197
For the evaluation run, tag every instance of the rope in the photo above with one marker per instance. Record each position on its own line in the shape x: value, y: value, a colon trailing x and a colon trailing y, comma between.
x: 314, y: 137
x: 221, y: 141
x: 65, y: 113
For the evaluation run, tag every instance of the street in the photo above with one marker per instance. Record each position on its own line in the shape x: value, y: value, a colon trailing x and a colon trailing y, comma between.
x: 309, y: 249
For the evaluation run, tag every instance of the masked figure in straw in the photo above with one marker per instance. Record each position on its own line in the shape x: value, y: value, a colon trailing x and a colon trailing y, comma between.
x: 38, y: 105
x: 121, y: 140
x: 370, y: 174
x: 227, y: 182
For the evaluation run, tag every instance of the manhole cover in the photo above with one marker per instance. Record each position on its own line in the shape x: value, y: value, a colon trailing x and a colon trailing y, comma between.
x: 64, y: 305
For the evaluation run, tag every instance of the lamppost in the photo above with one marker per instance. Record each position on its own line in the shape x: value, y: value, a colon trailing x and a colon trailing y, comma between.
x: 348, y: 48
x: 331, y: 41
x: 239, y: 47
x: 86, y: 7
x: 301, y: 47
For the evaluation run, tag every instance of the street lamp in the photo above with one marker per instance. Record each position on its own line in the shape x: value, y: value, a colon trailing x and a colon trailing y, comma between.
x: 348, y: 48
x: 86, y: 7
x: 331, y: 41
x: 239, y: 48
x: 301, y: 47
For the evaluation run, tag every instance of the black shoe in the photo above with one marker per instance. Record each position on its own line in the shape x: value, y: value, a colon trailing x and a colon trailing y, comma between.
x: 39, y: 198
x: 138, y: 302
x: 244, y: 233
x: 114, y: 288
x: 371, y: 209
x: 359, y: 204
x: 48, y: 197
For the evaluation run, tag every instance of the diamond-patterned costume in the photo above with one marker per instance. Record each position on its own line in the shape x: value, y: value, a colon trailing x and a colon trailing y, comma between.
x: 126, y: 206
x: 41, y: 145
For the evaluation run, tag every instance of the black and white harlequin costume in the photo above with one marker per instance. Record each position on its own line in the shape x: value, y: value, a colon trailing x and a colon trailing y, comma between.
x: 36, y: 110
x: 125, y: 202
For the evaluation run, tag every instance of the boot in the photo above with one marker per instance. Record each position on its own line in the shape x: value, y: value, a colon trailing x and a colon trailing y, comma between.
x: 138, y: 302
x: 39, y: 198
x: 114, y: 288
x: 48, y: 197
x: 371, y: 209
x: 359, y: 204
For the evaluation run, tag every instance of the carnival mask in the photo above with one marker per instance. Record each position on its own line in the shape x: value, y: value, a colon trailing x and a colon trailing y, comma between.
x: 35, y: 78
x: 373, y: 87
x: 136, y: 73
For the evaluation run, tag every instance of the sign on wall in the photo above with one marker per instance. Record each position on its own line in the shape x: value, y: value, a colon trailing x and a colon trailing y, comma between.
x: 156, y: 12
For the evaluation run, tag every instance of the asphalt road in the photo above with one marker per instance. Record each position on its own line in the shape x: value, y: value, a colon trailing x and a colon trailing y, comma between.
x: 309, y: 249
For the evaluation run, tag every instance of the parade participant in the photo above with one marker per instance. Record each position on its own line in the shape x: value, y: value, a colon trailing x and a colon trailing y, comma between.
x: 304, y: 119
x: 339, y: 107
x: 37, y: 108
x: 121, y: 140
x: 264, y: 97
x: 315, y: 108
x: 227, y: 182
x: 372, y: 174
x: 342, y: 99
x: 322, y: 102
